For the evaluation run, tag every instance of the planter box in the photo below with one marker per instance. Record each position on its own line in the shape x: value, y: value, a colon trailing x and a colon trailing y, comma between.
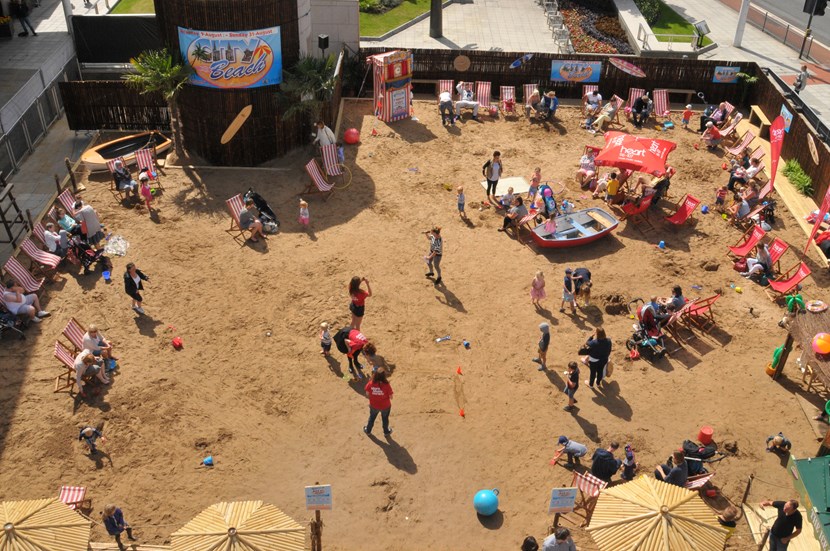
x: 6, y: 30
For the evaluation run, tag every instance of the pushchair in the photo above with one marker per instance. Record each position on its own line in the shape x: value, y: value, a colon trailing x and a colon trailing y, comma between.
x: 86, y: 256
x: 270, y: 224
x: 647, y: 333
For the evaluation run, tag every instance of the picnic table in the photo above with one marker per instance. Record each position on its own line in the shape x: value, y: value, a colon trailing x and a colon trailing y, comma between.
x: 802, y: 330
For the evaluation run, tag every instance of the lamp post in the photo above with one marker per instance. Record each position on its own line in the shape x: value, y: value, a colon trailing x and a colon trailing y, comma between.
x: 323, y: 43
x: 808, y: 31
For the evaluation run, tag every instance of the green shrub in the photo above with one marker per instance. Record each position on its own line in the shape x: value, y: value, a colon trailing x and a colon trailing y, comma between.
x: 371, y: 6
x: 650, y: 9
x: 798, y: 178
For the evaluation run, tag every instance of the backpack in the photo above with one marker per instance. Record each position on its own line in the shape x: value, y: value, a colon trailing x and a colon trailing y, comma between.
x: 693, y: 449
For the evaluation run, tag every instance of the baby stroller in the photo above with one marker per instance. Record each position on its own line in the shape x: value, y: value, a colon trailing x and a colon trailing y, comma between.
x: 87, y: 256
x: 270, y: 224
x: 647, y: 333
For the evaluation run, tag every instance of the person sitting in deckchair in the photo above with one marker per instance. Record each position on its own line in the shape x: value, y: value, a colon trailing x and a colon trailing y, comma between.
x: 606, y: 115
x: 124, y: 180
x: 549, y: 105
x: 532, y: 104
x: 248, y: 220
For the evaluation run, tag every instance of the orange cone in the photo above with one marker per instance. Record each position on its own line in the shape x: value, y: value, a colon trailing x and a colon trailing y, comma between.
x: 458, y: 370
x: 461, y: 413
x: 374, y: 132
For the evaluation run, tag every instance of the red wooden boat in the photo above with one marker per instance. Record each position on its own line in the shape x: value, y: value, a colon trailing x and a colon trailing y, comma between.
x: 574, y: 229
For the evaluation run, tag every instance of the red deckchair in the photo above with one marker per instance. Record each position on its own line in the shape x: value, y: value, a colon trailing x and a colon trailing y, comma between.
x: 727, y: 131
x: 508, y: 100
x: 787, y: 281
x: 68, y: 201
x: 684, y: 210
x: 638, y: 213
x: 747, y: 242
x: 318, y: 181
x: 483, y: 96
x: 74, y: 333
x: 737, y: 149
x: 700, y: 314
x: 776, y: 250
x: 146, y: 158
x: 633, y: 95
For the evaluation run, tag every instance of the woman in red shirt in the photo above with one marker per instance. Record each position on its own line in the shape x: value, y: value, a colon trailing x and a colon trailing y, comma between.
x: 358, y: 297
x: 379, y: 393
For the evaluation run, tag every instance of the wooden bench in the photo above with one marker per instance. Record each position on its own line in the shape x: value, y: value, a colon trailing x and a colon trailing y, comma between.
x: 686, y: 92
x: 755, y: 114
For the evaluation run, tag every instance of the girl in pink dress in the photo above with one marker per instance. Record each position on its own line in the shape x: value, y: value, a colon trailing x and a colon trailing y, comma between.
x: 537, y: 289
x: 304, y: 217
x: 146, y: 190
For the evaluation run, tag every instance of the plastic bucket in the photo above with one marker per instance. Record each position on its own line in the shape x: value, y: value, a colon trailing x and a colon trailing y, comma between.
x: 106, y: 275
x: 705, y: 435
x: 770, y: 370
x: 827, y: 407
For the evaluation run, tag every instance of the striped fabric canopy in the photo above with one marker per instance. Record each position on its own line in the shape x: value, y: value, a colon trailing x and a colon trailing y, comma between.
x: 240, y: 526
x: 649, y: 515
x: 42, y: 525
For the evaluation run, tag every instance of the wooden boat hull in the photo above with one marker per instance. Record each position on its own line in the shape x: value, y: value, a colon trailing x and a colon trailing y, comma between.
x: 575, y: 229
x: 96, y: 158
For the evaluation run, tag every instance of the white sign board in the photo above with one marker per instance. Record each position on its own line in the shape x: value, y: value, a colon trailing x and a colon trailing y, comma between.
x: 562, y: 500
x: 318, y: 498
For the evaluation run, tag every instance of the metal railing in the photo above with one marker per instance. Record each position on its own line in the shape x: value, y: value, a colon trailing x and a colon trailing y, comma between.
x: 801, y: 106
x: 94, y: 5
x: 789, y: 34
x: 644, y: 35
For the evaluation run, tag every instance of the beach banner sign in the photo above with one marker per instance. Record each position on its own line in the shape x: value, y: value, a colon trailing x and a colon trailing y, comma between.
x: 726, y: 75
x: 318, y: 498
x: 575, y: 71
x: 238, y: 59
x: 562, y: 500
x: 788, y: 119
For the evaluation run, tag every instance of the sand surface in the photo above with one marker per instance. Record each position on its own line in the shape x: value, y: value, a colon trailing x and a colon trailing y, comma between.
x: 277, y: 416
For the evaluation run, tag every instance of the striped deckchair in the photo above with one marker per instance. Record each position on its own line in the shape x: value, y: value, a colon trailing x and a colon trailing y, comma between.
x: 22, y: 276
x: 483, y: 95
x: 68, y: 201
x: 75, y: 497
x: 620, y: 107
x: 742, y: 144
x: 661, y: 104
x: 589, y: 488
x: 446, y: 86
x: 235, y: 205
x: 729, y: 130
x: 39, y: 231
x: 507, y: 103
x: 146, y: 158
x: 41, y: 261
x: 330, y: 161
x: 699, y: 481
x: 117, y: 194
x: 633, y: 94
x: 318, y: 181
x: 74, y: 333
x: 66, y: 380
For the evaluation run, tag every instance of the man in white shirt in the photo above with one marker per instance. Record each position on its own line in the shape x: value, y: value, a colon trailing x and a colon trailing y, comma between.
x: 445, y: 107
x: 593, y: 102
x: 56, y: 242
x: 324, y: 135
x: 466, y: 99
x: 21, y: 304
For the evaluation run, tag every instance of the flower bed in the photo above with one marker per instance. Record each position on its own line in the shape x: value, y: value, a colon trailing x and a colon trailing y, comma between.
x: 594, y: 26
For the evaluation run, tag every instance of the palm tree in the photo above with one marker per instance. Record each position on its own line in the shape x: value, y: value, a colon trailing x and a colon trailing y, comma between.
x: 200, y: 53
x: 307, y: 86
x: 155, y: 72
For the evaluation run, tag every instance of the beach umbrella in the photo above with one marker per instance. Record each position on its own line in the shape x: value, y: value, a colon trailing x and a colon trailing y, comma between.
x: 42, y: 525
x: 640, y: 154
x: 240, y: 526
x: 649, y: 515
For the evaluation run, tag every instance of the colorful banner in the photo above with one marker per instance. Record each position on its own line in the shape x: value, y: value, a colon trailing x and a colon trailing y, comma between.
x: 575, y: 71
x: 825, y: 208
x: 788, y: 118
x: 726, y: 75
x: 239, y: 59
x: 776, y: 139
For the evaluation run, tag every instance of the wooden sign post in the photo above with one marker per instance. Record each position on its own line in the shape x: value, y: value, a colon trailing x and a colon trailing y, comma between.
x: 317, y: 498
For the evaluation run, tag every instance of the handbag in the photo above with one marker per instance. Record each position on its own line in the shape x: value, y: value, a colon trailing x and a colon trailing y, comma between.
x: 609, y: 368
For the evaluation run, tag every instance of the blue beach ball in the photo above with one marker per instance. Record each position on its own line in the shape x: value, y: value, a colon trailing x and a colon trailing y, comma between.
x: 486, y: 502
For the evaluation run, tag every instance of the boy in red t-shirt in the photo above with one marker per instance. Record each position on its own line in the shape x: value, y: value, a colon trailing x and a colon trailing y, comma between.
x: 379, y: 392
x: 687, y: 116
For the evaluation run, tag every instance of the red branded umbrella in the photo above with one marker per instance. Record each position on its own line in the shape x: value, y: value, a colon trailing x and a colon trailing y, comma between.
x: 628, y: 152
